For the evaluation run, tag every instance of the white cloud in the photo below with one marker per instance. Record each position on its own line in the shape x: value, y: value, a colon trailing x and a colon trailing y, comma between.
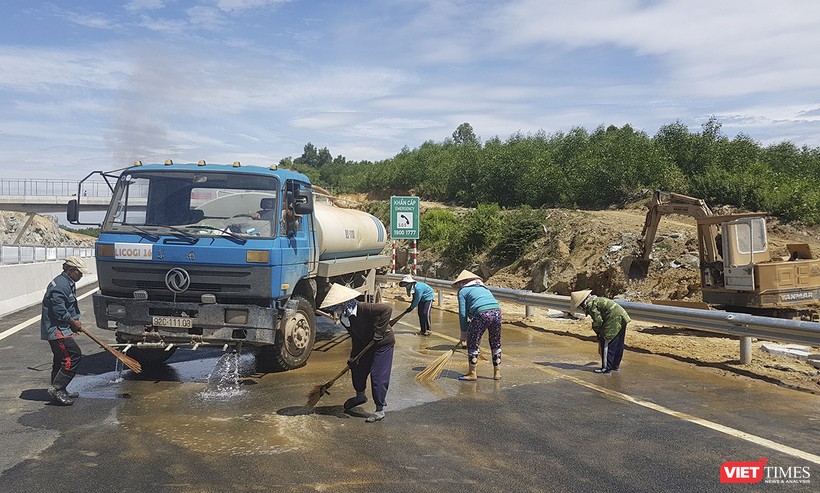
x: 223, y: 80
x: 34, y: 69
x: 139, y: 5
x: 206, y: 18
x: 712, y: 48
x: 239, y: 5
x: 95, y: 21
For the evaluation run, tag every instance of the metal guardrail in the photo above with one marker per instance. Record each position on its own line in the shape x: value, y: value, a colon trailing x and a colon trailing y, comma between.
x: 736, y: 324
x: 27, y: 254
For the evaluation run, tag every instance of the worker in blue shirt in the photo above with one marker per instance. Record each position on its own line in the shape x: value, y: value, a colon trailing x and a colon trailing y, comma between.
x: 59, y: 321
x: 478, y: 310
x: 423, y: 296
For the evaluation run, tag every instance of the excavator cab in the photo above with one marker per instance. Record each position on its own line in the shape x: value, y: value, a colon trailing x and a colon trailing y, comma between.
x: 745, y: 244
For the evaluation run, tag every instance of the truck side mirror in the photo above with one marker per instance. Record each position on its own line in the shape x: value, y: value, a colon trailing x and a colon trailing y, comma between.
x: 303, y: 201
x: 73, y: 211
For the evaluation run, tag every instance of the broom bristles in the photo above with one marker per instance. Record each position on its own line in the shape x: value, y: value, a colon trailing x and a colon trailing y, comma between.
x: 435, y: 368
x: 315, y: 394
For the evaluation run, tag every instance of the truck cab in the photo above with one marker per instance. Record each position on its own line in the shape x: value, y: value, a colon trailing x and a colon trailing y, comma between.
x: 196, y: 254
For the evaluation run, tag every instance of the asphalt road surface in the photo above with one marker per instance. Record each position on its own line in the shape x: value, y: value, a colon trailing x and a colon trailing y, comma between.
x: 549, y: 425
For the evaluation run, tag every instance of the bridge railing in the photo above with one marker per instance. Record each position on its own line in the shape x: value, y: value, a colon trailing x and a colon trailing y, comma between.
x: 64, y: 188
x: 27, y: 254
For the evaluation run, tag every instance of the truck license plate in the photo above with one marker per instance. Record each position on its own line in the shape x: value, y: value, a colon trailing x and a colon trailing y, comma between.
x: 175, y: 322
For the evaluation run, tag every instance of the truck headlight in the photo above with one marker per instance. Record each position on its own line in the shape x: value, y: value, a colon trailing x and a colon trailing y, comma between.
x: 234, y: 316
x: 115, y: 310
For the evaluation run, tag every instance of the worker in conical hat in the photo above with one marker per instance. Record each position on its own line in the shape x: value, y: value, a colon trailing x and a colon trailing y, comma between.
x: 464, y: 276
x: 365, y: 322
x: 423, y: 296
x: 609, y: 321
x: 478, y: 311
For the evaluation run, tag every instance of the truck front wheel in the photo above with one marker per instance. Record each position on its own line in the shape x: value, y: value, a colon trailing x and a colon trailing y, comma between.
x: 294, y: 339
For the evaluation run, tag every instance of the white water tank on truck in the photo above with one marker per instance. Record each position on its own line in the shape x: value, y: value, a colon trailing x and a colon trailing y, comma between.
x: 345, y: 233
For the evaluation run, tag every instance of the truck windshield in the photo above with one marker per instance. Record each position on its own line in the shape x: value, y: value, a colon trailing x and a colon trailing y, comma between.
x: 199, y: 203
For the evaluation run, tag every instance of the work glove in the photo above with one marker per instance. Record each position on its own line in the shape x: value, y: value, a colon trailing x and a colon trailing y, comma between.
x: 351, y: 362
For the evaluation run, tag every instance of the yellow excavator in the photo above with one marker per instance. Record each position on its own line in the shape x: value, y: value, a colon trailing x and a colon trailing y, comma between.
x: 737, y: 273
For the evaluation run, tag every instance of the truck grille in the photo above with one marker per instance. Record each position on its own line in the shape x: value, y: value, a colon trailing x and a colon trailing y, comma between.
x: 229, y: 284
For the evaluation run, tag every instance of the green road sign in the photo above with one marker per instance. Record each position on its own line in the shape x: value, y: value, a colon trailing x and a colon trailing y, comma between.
x: 404, y: 218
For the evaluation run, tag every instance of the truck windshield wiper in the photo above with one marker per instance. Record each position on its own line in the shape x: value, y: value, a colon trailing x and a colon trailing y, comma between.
x: 224, y: 231
x: 180, y: 233
x: 147, y: 234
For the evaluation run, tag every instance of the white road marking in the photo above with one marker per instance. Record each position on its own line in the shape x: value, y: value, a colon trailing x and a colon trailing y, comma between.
x: 764, y: 442
x: 23, y: 325
x: 727, y: 430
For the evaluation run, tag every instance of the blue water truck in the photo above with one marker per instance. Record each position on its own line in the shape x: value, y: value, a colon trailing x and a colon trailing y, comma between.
x: 224, y: 255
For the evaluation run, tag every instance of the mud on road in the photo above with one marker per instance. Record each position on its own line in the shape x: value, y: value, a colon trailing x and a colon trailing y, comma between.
x: 709, y: 352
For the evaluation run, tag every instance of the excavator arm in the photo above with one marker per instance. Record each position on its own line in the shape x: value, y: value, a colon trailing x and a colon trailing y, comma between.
x: 668, y: 203
x: 664, y: 203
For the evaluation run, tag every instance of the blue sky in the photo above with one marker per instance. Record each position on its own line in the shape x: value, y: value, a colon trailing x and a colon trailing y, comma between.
x: 88, y: 85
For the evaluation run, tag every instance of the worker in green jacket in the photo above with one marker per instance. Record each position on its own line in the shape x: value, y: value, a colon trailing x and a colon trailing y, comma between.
x: 609, y: 321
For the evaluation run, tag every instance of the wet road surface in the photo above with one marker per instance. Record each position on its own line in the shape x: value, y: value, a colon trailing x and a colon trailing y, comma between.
x: 549, y: 425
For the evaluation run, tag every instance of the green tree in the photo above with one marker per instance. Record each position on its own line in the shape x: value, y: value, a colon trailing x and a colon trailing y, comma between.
x: 464, y: 135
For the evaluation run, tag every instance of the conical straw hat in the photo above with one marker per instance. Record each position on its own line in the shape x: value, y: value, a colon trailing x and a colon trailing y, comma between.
x: 408, y: 279
x: 339, y: 294
x: 578, y: 297
x: 465, y: 276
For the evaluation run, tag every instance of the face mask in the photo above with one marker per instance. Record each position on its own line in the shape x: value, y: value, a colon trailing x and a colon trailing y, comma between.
x: 409, y: 289
x: 342, y: 311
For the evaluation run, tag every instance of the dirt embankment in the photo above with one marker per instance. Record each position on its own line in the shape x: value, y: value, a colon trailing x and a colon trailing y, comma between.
x: 587, y: 249
x: 43, y: 230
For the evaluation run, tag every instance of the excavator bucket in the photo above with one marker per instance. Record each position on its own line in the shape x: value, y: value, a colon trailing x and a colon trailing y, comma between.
x: 635, y: 268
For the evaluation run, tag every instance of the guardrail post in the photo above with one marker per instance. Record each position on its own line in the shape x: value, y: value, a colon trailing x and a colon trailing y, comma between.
x: 528, y: 310
x: 745, y: 350
x: 440, y: 296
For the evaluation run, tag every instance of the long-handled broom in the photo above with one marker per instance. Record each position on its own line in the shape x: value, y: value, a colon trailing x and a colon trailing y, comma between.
x: 127, y: 360
x: 320, y: 390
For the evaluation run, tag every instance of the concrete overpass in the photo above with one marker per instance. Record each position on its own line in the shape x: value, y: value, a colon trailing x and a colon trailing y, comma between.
x: 40, y: 196
x: 35, y: 196
x: 35, y: 204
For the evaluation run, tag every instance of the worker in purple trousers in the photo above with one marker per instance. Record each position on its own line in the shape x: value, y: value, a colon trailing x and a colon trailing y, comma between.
x: 478, y: 311
x: 365, y: 322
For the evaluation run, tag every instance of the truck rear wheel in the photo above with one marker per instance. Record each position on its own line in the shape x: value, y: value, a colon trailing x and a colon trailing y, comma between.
x: 294, y: 339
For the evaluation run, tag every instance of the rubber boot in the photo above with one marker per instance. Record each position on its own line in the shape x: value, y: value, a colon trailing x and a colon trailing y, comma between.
x: 377, y: 416
x: 471, y: 375
x: 497, y: 366
x: 73, y: 395
x: 57, y: 389
x: 359, y: 399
